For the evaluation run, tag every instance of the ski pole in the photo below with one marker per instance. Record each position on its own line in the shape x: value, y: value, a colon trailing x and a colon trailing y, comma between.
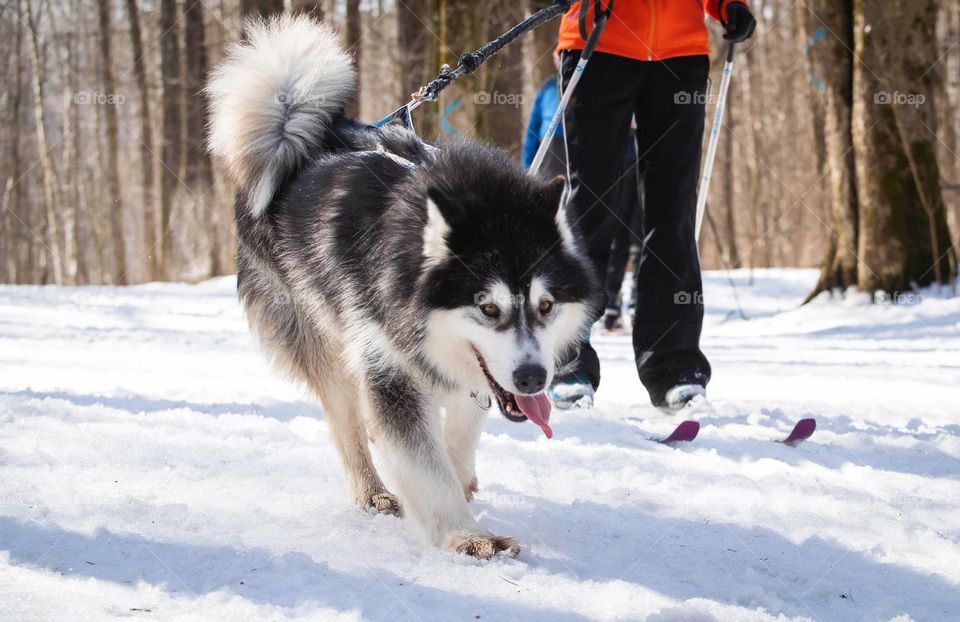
x: 714, y: 139
x: 598, y: 25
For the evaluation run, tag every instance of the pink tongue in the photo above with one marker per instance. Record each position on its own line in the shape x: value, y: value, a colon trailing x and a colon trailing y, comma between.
x: 537, y: 409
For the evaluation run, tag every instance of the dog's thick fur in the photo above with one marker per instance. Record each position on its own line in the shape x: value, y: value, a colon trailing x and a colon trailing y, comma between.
x: 397, y: 280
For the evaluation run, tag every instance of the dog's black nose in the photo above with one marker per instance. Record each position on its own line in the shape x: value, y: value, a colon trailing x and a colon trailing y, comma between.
x: 530, y: 378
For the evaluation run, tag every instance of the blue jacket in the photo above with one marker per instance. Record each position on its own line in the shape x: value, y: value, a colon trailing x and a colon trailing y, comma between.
x: 543, y: 108
x: 541, y: 114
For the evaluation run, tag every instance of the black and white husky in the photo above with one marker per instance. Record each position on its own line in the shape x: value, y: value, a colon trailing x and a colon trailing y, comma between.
x: 404, y: 284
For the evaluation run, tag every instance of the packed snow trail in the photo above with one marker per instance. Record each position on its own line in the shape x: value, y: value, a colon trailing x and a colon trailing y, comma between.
x: 153, y: 467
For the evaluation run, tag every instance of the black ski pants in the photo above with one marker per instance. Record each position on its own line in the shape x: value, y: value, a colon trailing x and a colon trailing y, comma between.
x: 626, y: 236
x: 668, y: 99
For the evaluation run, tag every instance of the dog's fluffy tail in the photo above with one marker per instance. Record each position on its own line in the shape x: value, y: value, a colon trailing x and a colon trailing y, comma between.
x: 273, y: 98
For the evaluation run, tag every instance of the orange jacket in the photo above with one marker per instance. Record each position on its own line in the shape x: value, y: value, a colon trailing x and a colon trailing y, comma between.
x: 648, y: 29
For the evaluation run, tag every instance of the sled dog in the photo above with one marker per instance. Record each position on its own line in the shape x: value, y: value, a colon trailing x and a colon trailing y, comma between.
x: 411, y: 287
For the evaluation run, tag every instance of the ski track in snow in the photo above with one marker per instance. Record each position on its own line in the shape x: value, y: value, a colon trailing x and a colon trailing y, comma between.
x: 153, y: 467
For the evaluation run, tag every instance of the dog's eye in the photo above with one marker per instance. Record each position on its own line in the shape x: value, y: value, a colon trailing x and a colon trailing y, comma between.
x: 545, y: 306
x: 490, y: 310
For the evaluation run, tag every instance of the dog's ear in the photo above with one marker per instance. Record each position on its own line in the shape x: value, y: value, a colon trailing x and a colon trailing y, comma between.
x: 437, y: 227
x: 553, y: 193
x: 444, y: 205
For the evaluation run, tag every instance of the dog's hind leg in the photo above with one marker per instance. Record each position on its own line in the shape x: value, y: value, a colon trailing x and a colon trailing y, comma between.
x: 338, y: 395
x: 462, y: 429
x: 410, y: 439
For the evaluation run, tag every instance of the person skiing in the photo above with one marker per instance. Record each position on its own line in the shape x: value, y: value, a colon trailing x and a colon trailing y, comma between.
x: 652, y: 61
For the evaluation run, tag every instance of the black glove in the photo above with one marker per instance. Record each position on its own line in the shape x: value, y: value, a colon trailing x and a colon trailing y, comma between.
x: 740, y: 22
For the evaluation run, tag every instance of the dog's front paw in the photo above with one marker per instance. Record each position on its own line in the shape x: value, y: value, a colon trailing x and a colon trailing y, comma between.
x: 383, y: 503
x: 471, y: 487
x: 482, y: 544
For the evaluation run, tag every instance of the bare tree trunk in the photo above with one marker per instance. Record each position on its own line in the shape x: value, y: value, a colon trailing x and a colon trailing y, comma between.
x: 46, y: 161
x: 544, y: 41
x: 501, y: 121
x: 948, y: 107
x: 148, y: 192
x: 904, y: 240
x: 417, y: 20
x: 260, y: 8
x: 314, y: 8
x: 729, y: 195
x: 831, y: 63
x: 198, y: 170
x: 487, y: 104
x: 100, y: 235
x: 753, y: 98
x: 755, y: 94
x: 461, y: 106
x: 353, y: 46
x: 65, y: 212
x: 90, y: 186
x: 172, y: 137
x: 8, y: 241
x: 953, y: 71
x: 115, y: 208
x: 22, y: 247
x: 79, y: 272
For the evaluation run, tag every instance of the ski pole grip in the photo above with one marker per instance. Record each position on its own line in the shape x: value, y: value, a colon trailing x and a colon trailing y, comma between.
x: 600, y: 15
x: 591, y: 43
x: 730, y: 50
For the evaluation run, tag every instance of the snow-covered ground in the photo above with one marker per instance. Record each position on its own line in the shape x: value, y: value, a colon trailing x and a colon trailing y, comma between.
x: 152, y: 467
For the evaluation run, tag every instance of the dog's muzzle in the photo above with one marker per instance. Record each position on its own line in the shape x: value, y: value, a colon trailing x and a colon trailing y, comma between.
x: 517, y: 408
